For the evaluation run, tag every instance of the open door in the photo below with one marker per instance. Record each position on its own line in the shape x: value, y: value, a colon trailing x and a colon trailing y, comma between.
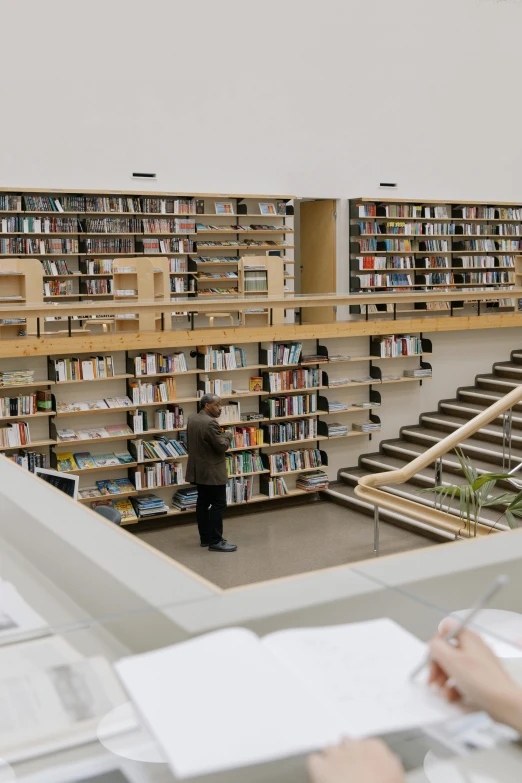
x: 318, y: 256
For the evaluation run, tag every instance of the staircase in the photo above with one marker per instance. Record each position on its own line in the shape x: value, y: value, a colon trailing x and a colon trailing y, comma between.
x: 485, y: 449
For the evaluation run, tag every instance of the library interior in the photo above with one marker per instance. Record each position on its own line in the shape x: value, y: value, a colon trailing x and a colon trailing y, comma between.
x: 261, y: 393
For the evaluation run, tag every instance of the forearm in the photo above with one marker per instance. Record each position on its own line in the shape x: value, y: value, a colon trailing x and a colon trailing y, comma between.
x: 508, y: 708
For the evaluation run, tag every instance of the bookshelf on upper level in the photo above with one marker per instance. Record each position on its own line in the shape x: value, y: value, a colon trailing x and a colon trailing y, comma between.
x: 423, y: 245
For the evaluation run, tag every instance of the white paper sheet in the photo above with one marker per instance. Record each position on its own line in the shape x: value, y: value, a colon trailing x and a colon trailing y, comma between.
x: 363, y: 669
x: 222, y: 701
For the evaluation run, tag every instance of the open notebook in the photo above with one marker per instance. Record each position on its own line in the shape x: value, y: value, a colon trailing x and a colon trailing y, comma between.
x: 230, y: 699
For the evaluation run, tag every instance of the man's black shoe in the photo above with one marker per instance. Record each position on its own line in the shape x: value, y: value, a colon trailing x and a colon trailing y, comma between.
x: 222, y: 546
x: 205, y: 546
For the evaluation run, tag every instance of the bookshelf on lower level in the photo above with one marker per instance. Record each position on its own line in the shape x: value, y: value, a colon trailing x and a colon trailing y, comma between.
x: 95, y: 416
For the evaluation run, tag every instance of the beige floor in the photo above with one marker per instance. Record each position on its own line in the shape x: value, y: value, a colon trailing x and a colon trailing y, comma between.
x: 282, y: 542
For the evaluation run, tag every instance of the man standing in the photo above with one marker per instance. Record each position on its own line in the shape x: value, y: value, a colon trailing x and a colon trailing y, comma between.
x: 207, y: 468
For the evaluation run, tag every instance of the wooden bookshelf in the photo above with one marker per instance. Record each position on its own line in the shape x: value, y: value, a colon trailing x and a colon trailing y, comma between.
x: 73, y: 237
x: 44, y: 426
x: 437, y: 245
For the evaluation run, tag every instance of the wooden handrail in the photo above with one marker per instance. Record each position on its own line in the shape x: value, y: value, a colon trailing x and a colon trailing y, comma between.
x: 239, y: 304
x: 368, y: 486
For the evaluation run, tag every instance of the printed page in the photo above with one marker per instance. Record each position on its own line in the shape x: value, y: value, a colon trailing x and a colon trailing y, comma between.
x: 222, y: 701
x: 363, y: 669
x: 53, y: 708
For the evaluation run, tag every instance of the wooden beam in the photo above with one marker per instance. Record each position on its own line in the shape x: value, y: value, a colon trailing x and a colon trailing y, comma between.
x: 126, y: 341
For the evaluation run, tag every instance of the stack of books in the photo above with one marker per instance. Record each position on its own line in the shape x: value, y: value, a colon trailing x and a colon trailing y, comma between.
x: 418, y: 372
x: 334, y: 406
x: 366, y: 404
x: 338, y: 382
x: 16, y: 378
x: 366, y: 426
x: 185, y: 499
x: 311, y: 482
x: 339, y: 358
x: 149, y: 506
x: 336, y: 430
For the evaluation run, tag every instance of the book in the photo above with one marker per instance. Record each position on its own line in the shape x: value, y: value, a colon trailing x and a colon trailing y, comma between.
x: 124, y: 484
x: 93, y: 434
x: 84, y: 460
x: 124, y: 457
x: 126, y: 509
x: 106, y: 460
x: 89, y: 492
x: 256, y: 384
x: 67, y: 434
x: 117, y: 430
x: 118, y: 402
x: 108, y: 487
x: 311, y: 687
x: 66, y: 461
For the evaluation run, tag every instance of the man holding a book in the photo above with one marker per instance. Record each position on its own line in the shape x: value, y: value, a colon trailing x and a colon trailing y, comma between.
x: 207, y: 468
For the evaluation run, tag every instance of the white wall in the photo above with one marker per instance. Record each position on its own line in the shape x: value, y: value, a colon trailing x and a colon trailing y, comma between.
x: 318, y: 99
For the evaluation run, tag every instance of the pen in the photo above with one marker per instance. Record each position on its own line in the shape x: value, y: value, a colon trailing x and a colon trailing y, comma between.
x: 480, y: 604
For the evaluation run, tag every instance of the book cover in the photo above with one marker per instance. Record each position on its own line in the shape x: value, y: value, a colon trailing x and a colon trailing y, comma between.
x: 116, y: 430
x: 124, y: 484
x: 44, y: 400
x: 84, y: 460
x: 106, y: 460
x: 89, y: 492
x: 124, y: 457
x: 256, y: 384
x: 108, y: 487
x: 93, y: 434
x: 126, y: 509
x: 67, y: 435
x: 119, y: 402
x: 66, y: 461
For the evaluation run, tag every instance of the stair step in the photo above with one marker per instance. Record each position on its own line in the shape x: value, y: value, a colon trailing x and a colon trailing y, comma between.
x: 488, y: 516
x: 488, y: 397
x: 468, y: 410
x: 496, y: 382
x: 489, y: 432
x: 508, y: 370
x: 516, y: 357
x: 488, y: 450
x: 408, y: 450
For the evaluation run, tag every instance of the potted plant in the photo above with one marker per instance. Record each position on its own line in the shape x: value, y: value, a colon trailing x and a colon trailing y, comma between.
x: 475, y: 494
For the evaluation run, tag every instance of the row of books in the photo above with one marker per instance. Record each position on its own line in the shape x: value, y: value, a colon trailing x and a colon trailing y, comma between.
x: 384, y: 281
x: 234, y: 228
x: 391, y: 262
x: 151, y: 363
x: 15, y: 434
x: 292, y: 405
x: 95, y: 433
x: 112, y: 245
x: 73, y: 369
x: 161, y: 474
x: 217, y: 260
x: 291, y: 379
x: 405, y: 245
x: 285, y: 461
x: 168, y: 245
x: 26, y: 404
x: 369, y: 228
x: 142, y: 393
x: 164, y: 419
x: 256, y: 281
x: 56, y: 267
x: 112, y: 226
x: 99, y: 266
x: 244, y: 462
x: 239, y: 490
x: 230, y: 413
x: 284, y: 353
x: 301, y: 429
x: 98, y: 286
x: 84, y: 460
x: 223, y: 358
x: 59, y: 288
x: 181, y: 285
x: 246, y: 436
x: 160, y: 448
x: 217, y: 386
x: 403, y: 210
x: 38, y: 225
x: 29, y: 459
x: 16, y: 245
x: 397, y: 345
x: 177, y: 265
x: 276, y: 487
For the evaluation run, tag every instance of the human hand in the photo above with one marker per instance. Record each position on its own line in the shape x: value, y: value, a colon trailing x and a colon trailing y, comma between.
x: 472, y: 671
x: 366, y: 761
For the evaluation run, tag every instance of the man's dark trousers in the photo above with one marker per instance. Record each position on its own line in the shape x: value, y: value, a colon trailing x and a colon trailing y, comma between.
x: 211, y: 505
